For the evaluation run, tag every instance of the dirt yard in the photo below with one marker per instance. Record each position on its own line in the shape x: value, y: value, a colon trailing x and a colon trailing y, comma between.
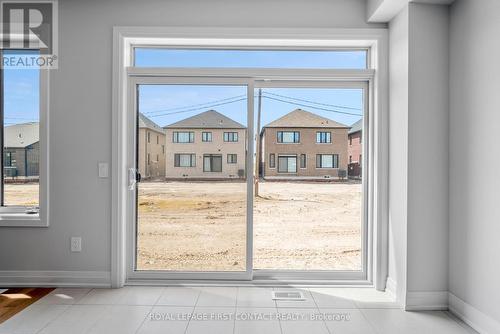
x: 21, y: 194
x: 201, y: 226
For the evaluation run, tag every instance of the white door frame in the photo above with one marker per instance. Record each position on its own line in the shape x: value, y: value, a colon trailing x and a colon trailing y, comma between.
x: 375, y: 40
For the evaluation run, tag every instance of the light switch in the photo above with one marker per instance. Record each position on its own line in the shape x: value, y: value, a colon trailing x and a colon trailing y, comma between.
x: 103, y: 169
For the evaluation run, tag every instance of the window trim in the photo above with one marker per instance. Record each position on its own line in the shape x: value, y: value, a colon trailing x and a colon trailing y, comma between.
x: 211, y: 156
x: 230, y: 134
x: 320, y: 155
x: 329, y: 136
x: 232, y: 162
x: 303, y: 163
x: 296, y: 135
x: 287, y: 156
x: 376, y: 40
x: 175, y: 134
x: 192, y: 160
x: 273, y: 160
x: 16, y: 216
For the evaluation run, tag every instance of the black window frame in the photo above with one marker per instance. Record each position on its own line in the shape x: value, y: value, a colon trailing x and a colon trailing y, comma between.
x: 177, y: 160
x: 303, y: 161
x: 296, y: 137
x: 211, y: 157
x: 335, y: 160
x: 323, y: 137
x: 208, y: 138
x: 272, y: 160
x: 230, y: 137
x: 287, y: 170
x: 232, y: 158
x: 175, y: 137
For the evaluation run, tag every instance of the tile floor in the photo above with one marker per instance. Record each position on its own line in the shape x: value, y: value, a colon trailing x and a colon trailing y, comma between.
x: 222, y: 310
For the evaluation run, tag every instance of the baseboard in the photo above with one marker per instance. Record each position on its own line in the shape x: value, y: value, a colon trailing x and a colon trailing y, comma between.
x: 28, y: 278
x: 426, y: 300
x: 476, y: 319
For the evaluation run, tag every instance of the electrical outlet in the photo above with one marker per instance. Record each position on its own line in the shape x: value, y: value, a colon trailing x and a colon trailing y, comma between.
x: 76, y: 244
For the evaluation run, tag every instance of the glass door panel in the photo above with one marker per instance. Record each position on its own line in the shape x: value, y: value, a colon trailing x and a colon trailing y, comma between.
x: 192, y: 198
x: 309, y: 206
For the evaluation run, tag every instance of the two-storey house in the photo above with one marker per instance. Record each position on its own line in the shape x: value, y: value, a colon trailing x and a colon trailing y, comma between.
x: 150, y: 148
x: 303, y: 145
x: 208, y: 145
x: 355, y: 148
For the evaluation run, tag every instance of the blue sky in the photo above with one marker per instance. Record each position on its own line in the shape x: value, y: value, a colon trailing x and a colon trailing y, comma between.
x: 21, y: 86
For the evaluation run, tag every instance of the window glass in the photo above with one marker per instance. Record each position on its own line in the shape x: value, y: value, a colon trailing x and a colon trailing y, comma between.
x: 166, y: 57
x: 21, y: 134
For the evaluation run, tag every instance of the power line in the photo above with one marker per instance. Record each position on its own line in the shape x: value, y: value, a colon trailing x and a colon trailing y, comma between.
x: 309, y: 101
x: 312, y: 107
x: 193, y: 105
x: 195, y: 109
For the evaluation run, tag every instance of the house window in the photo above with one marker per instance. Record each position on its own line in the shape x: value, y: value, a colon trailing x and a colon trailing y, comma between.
x: 20, y: 113
x: 163, y: 149
x: 206, y: 136
x: 157, y: 139
x: 272, y: 160
x: 323, y: 137
x: 360, y: 138
x: 350, y: 159
x: 184, y: 160
x: 288, y: 137
x: 350, y: 140
x: 157, y: 158
x: 212, y: 163
x: 149, y: 137
x: 327, y: 161
x: 149, y: 159
x: 287, y: 164
x: 183, y: 137
x: 232, y: 158
x: 231, y: 136
x: 303, y: 159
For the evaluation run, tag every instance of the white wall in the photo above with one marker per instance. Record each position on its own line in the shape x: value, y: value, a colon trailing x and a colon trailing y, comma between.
x: 474, y: 155
x: 418, y: 158
x: 80, y: 111
x: 398, y: 150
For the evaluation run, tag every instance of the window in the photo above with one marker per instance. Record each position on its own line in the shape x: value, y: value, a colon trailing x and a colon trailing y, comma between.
x: 184, y: 160
x: 149, y: 159
x: 327, y: 161
x: 287, y: 164
x: 350, y: 159
x: 360, y: 138
x: 272, y: 160
x: 232, y: 158
x: 157, y: 158
x: 212, y: 163
x: 20, y: 133
x: 288, y: 137
x: 323, y: 137
x: 149, y: 137
x: 183, y: 137
x: 161, y: 57
x: 163, y: 149
x: 231, y: 136
x: 303, y: 163
x: 157, y: 139
x: 206, y: 136
x: 350, y: 140
x: 360, y: 159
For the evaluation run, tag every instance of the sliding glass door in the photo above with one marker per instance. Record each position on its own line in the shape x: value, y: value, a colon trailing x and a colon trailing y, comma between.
x: 246, y: 178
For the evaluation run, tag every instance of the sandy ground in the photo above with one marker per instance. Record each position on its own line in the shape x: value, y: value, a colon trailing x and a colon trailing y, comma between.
x: 21, y: 194
x: 202, y: 226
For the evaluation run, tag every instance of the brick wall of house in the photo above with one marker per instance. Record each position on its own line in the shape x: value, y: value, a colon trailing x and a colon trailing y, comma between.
x: 307, y: 146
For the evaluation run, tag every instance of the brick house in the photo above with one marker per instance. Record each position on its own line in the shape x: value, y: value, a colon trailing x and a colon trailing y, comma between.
x: 303, y: 145
x: 355, y: 148
x: 150, y: 149
x: 208, y: 145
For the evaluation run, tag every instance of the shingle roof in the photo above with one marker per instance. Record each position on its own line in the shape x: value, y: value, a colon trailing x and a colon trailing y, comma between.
x: 210, y: 119
x: 356, y: 127
x: 145, y: 122
x: 299, y: 118
x: 21, y: 135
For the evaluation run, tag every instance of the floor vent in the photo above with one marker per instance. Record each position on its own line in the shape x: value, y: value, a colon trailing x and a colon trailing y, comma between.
x: 288, y: 295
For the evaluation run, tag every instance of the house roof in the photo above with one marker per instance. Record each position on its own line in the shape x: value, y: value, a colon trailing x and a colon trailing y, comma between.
x: 356, y: 127
x: 210, y: 119
x: 299, y: 118
x: 21, y: 135
x: 146, y: 123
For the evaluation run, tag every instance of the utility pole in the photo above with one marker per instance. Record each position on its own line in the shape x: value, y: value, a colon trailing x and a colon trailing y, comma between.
x: 257, y: 144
